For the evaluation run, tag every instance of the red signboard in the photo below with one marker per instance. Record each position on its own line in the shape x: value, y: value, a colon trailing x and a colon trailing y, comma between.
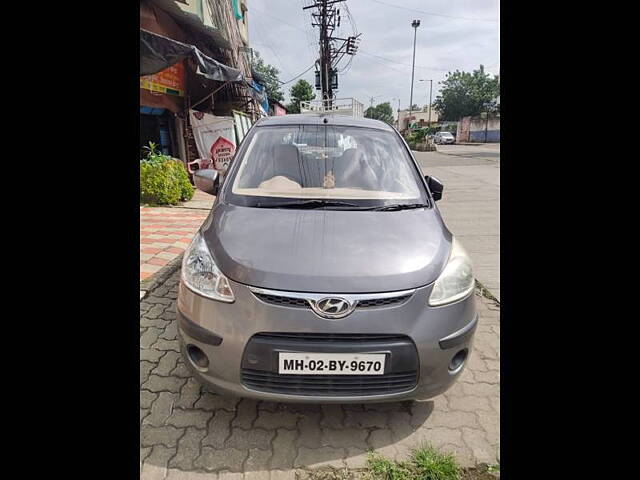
x: 169, y: 81
x: 222, y: 152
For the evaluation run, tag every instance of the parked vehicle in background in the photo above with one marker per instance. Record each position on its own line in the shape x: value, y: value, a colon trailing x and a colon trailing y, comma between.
x: 324, y: 272
x: 444, y: 138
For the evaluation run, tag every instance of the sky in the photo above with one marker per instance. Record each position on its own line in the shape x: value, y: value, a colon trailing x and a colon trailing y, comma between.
x: 453, y: 34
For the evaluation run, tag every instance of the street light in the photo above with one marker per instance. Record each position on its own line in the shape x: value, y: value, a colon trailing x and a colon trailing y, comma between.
x: 430, y: 89
x: 415, y: 24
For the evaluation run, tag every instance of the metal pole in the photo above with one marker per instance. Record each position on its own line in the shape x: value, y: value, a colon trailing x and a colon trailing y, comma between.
x: 415, y: 24
x: 486, y: 125
x: 430, y: 89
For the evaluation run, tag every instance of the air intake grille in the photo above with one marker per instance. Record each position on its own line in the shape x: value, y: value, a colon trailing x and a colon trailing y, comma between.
x: 382, y: 302
x: 329, y: 385
x: 286, y: 301
x: 303, y: 303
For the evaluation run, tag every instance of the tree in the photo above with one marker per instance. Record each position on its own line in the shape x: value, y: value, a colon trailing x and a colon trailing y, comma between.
x: 466, y: 94
x: 381, y: 111
x: 270, y: 79
x: 301, y: 91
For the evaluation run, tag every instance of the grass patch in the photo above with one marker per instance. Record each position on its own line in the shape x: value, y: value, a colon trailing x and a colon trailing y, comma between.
x: 425, y: 463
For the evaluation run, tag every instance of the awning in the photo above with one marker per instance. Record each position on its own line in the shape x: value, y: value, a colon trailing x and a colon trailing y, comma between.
x: 193, y: 22
x: 158, y: 52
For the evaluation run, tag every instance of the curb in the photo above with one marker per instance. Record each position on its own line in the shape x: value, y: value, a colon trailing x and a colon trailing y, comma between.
x: 485, y: 292
x: 150, y: 283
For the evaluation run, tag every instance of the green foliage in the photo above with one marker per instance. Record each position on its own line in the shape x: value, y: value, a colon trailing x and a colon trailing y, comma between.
x: 270, y: 75
x: 382, y: 111
x: 467, y: 94
x: 301, y: 91
x: 425, y: 463
x: 163, y: 180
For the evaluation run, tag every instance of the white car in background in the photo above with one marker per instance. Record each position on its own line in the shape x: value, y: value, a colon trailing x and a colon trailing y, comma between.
x: 444, y: 138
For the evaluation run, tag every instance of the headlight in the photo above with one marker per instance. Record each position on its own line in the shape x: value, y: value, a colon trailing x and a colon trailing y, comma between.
x: 456, y: 280
x: 200, y: 273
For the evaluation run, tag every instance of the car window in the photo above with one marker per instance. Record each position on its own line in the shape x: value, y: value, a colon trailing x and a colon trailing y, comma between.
x: 327, y: 162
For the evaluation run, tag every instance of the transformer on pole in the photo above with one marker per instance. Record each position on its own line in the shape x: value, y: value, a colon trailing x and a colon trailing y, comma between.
x: 327, y: 17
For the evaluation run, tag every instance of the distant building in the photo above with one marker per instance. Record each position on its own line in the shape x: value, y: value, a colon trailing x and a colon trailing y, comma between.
x: 276, y: 108
x: 419, y: 117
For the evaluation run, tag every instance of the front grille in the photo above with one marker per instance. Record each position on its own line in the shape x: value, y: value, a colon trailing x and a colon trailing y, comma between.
x: 332, y: 337
x: 303, y: 303
x: 329, y: 385
x: 382, y: 302
x: 286, y: 301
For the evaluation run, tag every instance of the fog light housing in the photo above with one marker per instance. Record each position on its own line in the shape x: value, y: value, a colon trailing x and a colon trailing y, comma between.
x: 198, y: 357
x: 457, y: 362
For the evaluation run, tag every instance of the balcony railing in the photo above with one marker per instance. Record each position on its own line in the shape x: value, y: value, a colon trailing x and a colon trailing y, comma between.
x: 340, y: 106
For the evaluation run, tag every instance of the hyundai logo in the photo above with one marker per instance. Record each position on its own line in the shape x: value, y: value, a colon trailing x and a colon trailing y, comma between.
x: 333, y: 307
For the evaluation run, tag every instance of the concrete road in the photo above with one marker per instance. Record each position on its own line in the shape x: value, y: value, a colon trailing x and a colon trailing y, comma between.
x: 471, y: 202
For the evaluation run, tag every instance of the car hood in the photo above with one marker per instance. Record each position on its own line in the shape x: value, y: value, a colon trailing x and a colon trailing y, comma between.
x: 336, y: 251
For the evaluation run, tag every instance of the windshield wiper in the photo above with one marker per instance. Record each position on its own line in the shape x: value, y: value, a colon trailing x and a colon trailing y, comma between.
x: 308, y: 204
x: 399, y: 206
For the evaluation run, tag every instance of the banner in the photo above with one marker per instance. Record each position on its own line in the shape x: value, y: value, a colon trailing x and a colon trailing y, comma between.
x: 210, y: 131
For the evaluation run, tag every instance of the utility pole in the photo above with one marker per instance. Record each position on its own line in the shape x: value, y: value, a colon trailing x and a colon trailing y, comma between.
x: 415, y: 24
x: 371, y: 99
x: 327, y: 17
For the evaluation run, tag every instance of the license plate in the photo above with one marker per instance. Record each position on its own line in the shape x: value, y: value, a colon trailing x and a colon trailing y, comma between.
x: 331, y: 363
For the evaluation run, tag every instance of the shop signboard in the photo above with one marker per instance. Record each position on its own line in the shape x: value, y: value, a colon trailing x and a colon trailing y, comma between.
x: 169, y: 81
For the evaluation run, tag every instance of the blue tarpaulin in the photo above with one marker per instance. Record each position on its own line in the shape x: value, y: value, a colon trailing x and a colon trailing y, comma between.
x: 264, y: 102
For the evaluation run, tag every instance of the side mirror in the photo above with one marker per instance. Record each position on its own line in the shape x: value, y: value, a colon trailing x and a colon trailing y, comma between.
x: 435, y: 186
x: 206, y: 180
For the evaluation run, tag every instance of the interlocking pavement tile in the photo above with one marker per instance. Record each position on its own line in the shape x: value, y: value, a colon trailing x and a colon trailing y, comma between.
x: 320, y: 457
x: 247, y: 413
x: 155, y: 465
x: 189, y: 418
x: 212, y: 459
x: 271, y: 420
x: 256, y: 467
x: 219, y: 428
x: 284, y: 449
x: 345, y: 437
x: 188, y: 449
x: 161, y: 409
x: 166, y: 435
x: 254, y: 438
x: 156, y: 383
x: 476, y: 440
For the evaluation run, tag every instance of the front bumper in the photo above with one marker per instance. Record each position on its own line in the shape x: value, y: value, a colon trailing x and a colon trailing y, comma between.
x: 224, y: 331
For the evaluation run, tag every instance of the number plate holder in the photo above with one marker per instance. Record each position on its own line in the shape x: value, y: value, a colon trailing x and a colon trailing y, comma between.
x: 298, y: 363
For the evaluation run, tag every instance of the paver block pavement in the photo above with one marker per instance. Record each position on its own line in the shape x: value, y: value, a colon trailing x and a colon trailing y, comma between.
x: 187, y: 432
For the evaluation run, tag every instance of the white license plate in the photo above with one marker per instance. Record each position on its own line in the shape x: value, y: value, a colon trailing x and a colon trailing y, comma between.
x: 331, y: 363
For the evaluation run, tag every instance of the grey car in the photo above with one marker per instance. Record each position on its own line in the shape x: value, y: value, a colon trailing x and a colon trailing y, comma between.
x: 445, y: 138
x: 324, y: 271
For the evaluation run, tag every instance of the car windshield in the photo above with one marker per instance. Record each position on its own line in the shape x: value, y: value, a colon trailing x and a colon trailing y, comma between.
x: 355, y: 165
x: 446, y: 134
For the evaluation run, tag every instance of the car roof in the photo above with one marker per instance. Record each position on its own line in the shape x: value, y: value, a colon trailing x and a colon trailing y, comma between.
x: 319, y: 119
